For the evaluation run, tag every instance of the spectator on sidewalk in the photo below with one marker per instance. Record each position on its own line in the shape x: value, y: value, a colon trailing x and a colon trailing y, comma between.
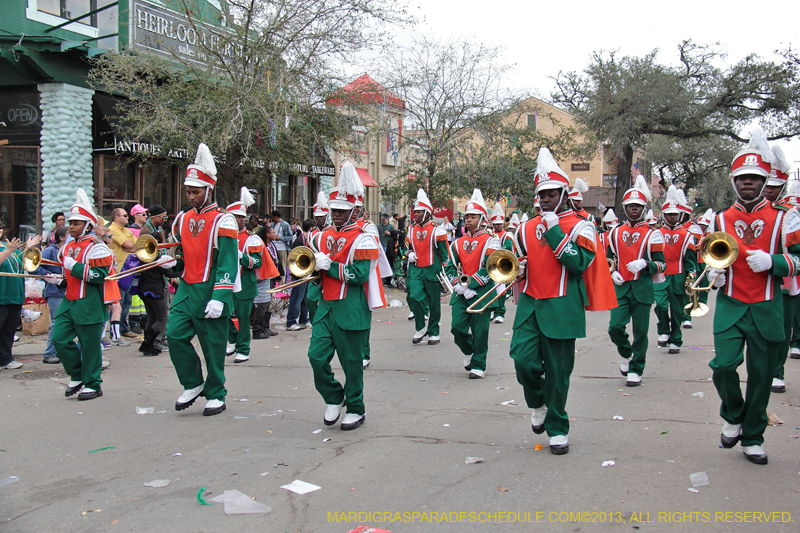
x: 54, y: 290
x: 122, y: 244
x: 261, y: 304
x: 298, y: 310
x: 284, y: 238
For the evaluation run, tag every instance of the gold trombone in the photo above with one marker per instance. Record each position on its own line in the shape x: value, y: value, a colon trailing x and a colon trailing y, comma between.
x: 146, y: 249
x: 718, y: 250
x: 503, y: 267
x: 301, y: 263
x: 31, y: 259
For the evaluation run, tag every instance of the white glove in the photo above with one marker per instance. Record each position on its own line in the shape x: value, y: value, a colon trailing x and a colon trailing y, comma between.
x: 323, y: 262
x: 166, y: 261
x: 550, y: 218
x: 616, y: 277
x: 412, y: 257
x: 240, y: 254
x: 717, y: 275
x: 523, y: 263
x: 69, y: 262
x: 469, y: 293
x: 636, y: 266
x: 759, y: 260
x: 500, y: 289
x: 214, y: 309
x: 55, y: 279
x: 459, y: 288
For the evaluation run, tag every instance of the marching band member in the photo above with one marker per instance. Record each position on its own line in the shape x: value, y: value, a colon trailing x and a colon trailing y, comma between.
x: 254, y: 265
x: 203, y: 303
x: 347, y: 260
x: 384, y: 267
x: 696, y: 232
x: 468, y: 258
x: 650, y: 219
x: 506, y: 242
x: 703, y: 221
x: 426, y: 260
x: 749, y: 303
x: 554, y: 249
x: 679, y: 254
x: 513, y: 225
x: 320, y: 214
x: 793, y: 199
x: 576, y: 199
x: 638, y: 251
x: 82, y: 312
x: 609, y: 222
x: 776, y: 183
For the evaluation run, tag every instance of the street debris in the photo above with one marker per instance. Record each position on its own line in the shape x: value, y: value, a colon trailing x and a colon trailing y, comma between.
x: 473, y: 460
x: 538, y: 447
x: 84, y: 513
x: 316, y: 431
x: 617, y: 417
x: 325, y: 440
x: 101, y: 449
x: 9, y: 480
x: 145, y: 410
x: 509, y: 402
x: 396, y: 303
x: 698, y: 394
x: 699, y: 479
x: 774, y: 420
x: 157, y: 483
x: 177, y: 455
x: 239, y: 503
x: 200, y: 499
x: 300, y: 487
x: 663, y: 432
x: 693, y: 490
x: 608, y: 463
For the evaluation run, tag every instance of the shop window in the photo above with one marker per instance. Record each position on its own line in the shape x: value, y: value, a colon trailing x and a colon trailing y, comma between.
x: 19, y: 190
x: 159, y: 184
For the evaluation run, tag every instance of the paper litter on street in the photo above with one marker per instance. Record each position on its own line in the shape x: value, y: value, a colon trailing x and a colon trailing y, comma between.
x: 300, y: 487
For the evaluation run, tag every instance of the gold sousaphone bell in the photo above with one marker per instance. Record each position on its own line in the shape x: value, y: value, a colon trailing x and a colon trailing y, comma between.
x: 301, y: 263
x: 503, y: 267
x: 718, y: 250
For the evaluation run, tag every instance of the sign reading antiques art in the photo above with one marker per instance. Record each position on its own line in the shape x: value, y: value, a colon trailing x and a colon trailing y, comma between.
x: 171, y: 35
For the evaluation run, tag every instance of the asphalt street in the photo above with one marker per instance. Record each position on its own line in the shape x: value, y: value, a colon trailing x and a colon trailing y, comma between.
x: 407, y: 462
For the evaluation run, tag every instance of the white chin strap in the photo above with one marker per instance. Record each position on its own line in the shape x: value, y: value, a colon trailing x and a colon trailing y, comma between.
x: 736, y: 191
x: 641, y: 217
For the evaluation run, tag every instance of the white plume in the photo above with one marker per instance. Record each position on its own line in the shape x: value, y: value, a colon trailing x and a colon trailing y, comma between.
x: 349, y: 181
x: 671, y: 196
x: 514, y: 220
x: 681, y: 195
x: 650, y: 215
x: 205, y: 161
x: 758, y: 141
x: 580, y: 186
x: 793, y: 188
x: 610, y: 217
x: 322, y: 200
x: 246, y: 197
x: 524, y: 218
x: 779, y: 160
x: 498, y: 211
x: 601, y: 207
x: 546, y: 163
x: 83, y: 199
x: 422, y: 196
x: 641, y: 185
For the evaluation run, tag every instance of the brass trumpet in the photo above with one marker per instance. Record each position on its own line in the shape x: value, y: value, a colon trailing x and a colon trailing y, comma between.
x: 718, y: 250
x: 301, y: 263
x: 146, y: 249
x: 503, y: 267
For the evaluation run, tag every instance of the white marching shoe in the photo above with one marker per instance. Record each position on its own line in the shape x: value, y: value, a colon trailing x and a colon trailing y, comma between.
x: 411, y: 315
x: 419, y: 335
x: 467, y: 362
x: 213, y: 407
x: 687, y: 324
x: 433, y: 340
x: 778, y: 385
x: 537, y: 419
x: 499, y: 320
x: 230, y: 349
x: 332, y: 413
x: 352, y: 421
x: 674, y: 348
x: 624, y: 365
x: 364, y: 363
x: 188, y: 397
x: 663, y: 340
x: 634, y: 379
x: 241, y: 358
x: 559, y: 445
x: 477, y: 374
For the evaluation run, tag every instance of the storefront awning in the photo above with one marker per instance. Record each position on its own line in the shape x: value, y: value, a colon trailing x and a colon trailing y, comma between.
x: 366, y: 179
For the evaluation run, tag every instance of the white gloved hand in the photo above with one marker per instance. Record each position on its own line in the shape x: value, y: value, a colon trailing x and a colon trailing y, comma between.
x: 616, y: 277
x: 759, y: 260
x: 500, y: 288
x: 459, y: 288
x: 54, y: 279
x: 469, y: 293
x: 550, y: 218
x: 412, y: 257
x: 636, y: 266
x: 240, y: 254
x: 717, y: 275
x: 523, y: 263
x: 166, y: 261
x: 69, y: 262
x: 322, y: 261
x: 214, y: 309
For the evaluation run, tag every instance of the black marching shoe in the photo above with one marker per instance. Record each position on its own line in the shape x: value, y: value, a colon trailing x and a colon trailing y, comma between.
x: 730, y: 442
x: 755, y: 454
x: 213, y: 407
x: 352, y: 421
x: 559, y: 445
x: 89, y: 394
x: 188, y: 397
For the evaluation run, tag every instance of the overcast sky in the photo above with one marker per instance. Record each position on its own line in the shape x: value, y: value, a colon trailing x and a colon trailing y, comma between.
x: 541, y: 38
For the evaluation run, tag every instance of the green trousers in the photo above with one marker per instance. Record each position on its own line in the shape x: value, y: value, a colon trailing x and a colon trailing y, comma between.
x: 702, y: 296
x: 796, y: 326
x: 543, y: 367
x: 328, y: 338
x: 424, y: 297
x: 500, y: 310
x: 750, y: 411
x: 629, y: 309
x: 789, y: 310
x: 84, y: 364
x: 212, y: 334
x: 312, y: 309
x: 366, y: 348
x: 475, y: 343
x: 670, y: 312
x: 241, y: 337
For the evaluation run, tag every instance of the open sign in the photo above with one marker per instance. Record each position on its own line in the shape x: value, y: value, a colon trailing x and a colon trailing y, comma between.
x: 22, y: 115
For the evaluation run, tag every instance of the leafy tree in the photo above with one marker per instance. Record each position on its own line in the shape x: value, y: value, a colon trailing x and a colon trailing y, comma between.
x: 625, y: 99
